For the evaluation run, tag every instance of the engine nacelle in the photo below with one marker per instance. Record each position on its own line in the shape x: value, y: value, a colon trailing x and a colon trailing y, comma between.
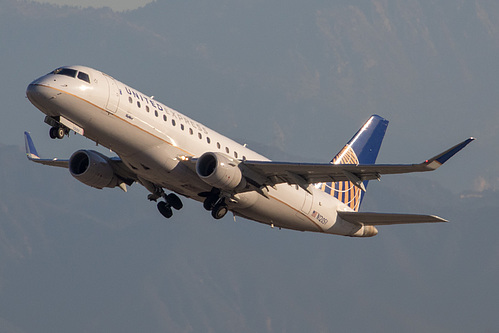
x: 220, y: 171
x: 92, y: 169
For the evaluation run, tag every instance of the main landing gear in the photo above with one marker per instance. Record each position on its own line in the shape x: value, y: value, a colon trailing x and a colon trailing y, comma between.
x: 171, y: 201
x: 215, y: 203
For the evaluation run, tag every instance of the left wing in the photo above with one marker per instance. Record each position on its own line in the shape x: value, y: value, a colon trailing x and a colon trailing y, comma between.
x: 302, y: 174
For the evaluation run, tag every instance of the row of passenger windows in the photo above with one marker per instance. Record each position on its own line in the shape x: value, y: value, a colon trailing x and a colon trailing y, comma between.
x: 182, y: 127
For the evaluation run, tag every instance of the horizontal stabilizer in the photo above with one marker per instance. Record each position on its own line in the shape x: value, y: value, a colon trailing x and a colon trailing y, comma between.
x: 387, y: 218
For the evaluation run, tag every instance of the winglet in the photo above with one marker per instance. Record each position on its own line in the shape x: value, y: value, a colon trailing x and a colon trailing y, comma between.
x: 435, y: 162
x: 33, y: 156
x: 31, y: 152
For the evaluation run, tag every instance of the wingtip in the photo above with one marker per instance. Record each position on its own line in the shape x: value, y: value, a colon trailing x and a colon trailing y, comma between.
x: 440, y: 159
x: 439, y: 219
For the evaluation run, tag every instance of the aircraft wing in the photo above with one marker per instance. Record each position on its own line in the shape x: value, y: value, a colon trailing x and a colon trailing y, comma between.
x: 302, y: 174
x: 362, y: 218
x: 117, y: 164
x: 33, y: 156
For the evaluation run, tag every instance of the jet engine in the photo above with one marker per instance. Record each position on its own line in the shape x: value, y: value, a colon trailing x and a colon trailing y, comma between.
x: 92, y: 169
x: 220, y: 171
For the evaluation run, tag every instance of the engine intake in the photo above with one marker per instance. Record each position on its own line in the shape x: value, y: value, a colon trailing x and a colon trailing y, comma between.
x: 92, y: 169
x: 220, y: 171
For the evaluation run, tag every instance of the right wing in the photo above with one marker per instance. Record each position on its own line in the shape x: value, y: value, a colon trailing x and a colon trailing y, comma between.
x: 33, y: 156
x: 119, y: 168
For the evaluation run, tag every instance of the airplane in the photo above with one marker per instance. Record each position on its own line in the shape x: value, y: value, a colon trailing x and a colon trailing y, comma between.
x: 163, y: 149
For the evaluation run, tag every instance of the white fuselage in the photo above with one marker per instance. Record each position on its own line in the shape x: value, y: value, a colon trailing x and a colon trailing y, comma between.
x: 151, y: 139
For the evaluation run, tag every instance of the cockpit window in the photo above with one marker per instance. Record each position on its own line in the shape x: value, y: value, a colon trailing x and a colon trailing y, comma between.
x: 84, y: 77
x: 65, y: 71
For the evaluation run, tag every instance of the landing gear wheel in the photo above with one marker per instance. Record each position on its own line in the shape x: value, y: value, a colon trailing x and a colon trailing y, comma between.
x: 210, y: 202
x: 219, y: 211
x: 60, y: 133
x: 53, y: 132
x: 165, y: 209
x: 57, y: 132
x: 174, y: 201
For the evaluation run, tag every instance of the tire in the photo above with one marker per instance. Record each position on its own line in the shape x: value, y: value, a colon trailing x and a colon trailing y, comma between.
x: 219, y: 211
x: 53, y: 132
x: 165, y: 209
x: 209, y: 202
x: 174, y: 201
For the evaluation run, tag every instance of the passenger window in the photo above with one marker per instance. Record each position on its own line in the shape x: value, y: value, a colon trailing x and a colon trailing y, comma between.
x: 208, y: 140
x: 235, y: 154
x: 200, y: 136
x: 164, y: 117
x: 84, y: 77
x: 190, y: 131
x: 218, y: 145
x: 156, y: 113
x: 173, y: 122
x: 182, y: 127
x: 130, y: 100
x: 138, y: 104
x: 227, y: 149
x: 147, y: 108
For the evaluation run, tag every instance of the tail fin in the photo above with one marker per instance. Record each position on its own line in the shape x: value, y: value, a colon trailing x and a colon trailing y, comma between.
x: 362, y: 148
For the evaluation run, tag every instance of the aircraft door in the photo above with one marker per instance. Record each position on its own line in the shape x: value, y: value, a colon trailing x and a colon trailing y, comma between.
x: 307, y: 203
x: 113, y: 100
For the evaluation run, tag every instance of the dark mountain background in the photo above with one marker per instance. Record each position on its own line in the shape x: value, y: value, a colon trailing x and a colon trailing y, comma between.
x: 295, y: 80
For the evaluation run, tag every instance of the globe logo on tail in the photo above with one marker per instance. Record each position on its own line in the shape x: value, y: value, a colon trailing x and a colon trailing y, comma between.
x: 345, y: 191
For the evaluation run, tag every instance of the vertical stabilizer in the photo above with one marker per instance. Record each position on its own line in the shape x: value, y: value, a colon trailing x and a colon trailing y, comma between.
x: 362, y: 148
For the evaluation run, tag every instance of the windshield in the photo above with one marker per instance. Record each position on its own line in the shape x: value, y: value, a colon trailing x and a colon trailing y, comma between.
x: 65, y: 71
x: 72, y: 73
x: 84, y: 77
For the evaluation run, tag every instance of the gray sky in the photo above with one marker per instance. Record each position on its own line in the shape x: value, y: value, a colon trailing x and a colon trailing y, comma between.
x: 117, y: 5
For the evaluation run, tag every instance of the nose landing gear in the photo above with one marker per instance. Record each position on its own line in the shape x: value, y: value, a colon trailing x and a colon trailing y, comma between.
x: 57, y: 132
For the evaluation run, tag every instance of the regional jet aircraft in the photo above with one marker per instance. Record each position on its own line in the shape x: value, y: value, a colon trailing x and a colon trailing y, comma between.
x: 163, y: 149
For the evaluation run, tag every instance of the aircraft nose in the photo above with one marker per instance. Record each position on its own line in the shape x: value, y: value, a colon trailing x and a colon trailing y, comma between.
x: 39, y: 94
x: 34, y: 94
x: 31, y: 90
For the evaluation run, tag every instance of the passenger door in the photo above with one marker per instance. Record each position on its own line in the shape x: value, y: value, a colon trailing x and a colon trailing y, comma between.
x: 113, y: 100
